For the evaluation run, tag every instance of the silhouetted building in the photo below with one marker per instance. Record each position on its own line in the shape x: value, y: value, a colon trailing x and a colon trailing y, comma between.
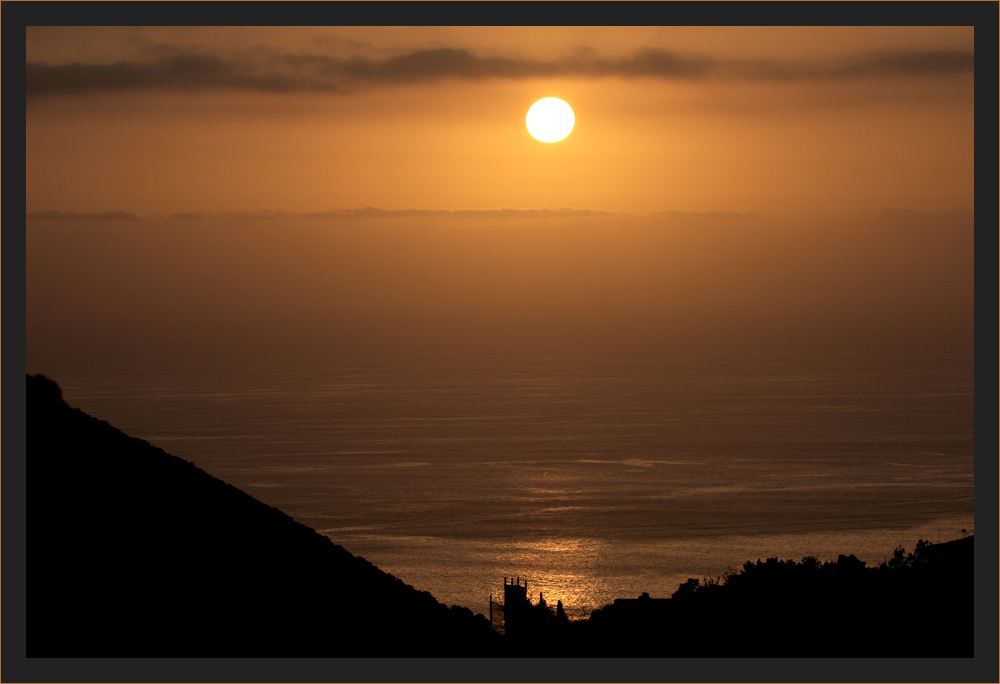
x: 515, y: 592
x: 516, y: 605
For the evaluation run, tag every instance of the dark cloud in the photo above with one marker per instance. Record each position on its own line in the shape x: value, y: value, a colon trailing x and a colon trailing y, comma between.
x: 910, y: 64
x: 73, y: 217
x: 179, y: 72
x: 883, y: 64
x: 262, y: 70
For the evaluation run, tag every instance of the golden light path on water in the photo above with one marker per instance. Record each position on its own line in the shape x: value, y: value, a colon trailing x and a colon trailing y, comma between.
x: 556, y: 568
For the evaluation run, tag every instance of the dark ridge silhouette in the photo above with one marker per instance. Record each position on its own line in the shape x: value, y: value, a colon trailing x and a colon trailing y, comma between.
x: 916, y: 605
x: 134, y: 552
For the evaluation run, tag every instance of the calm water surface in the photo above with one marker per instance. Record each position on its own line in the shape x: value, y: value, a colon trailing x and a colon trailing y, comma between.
x: 593, y: 478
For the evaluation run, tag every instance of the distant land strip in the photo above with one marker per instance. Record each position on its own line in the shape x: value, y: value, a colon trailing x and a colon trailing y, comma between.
x: 74, y: 217
x: 373, y: 212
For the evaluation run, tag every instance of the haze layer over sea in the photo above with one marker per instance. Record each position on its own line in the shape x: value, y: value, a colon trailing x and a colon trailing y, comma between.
x: 594, y: 478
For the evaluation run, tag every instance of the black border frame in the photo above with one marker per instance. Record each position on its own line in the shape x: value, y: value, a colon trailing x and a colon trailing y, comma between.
x: 17, y: 15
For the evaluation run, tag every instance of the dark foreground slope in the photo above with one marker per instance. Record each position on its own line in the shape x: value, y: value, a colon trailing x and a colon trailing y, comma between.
x: 133, y: 552
x: 916, y: 605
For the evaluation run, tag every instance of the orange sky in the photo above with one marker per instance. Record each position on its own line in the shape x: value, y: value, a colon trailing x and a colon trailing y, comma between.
x: 689, y: 119
x: 773, y: 184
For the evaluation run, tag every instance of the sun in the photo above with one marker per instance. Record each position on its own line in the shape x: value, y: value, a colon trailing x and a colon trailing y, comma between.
x: 550, y: 120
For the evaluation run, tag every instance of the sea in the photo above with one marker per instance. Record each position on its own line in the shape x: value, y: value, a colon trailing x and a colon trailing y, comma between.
x: 590, y: 478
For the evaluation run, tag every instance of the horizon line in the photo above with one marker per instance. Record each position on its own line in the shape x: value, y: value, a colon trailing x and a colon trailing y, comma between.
x: 367, y: 212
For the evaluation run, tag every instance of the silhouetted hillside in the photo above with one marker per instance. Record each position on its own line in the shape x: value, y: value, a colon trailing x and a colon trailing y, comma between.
x: 134, y: 552
x: 917, y: 605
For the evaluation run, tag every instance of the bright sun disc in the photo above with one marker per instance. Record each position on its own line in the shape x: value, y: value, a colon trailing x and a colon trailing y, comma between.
x: 550, y: 120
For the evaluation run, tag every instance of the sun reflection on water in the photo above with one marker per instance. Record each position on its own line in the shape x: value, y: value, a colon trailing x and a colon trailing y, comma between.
x: 561, y: 569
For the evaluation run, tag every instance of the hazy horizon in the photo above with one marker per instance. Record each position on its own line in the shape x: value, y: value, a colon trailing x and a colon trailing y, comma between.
x: 466, y: 284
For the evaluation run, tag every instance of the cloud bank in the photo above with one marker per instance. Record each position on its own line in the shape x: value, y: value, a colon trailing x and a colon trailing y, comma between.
x: 265, y: 71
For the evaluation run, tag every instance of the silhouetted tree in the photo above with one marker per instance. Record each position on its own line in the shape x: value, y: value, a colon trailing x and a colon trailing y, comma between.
x: 685, y: 591
x: 561, y: 614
